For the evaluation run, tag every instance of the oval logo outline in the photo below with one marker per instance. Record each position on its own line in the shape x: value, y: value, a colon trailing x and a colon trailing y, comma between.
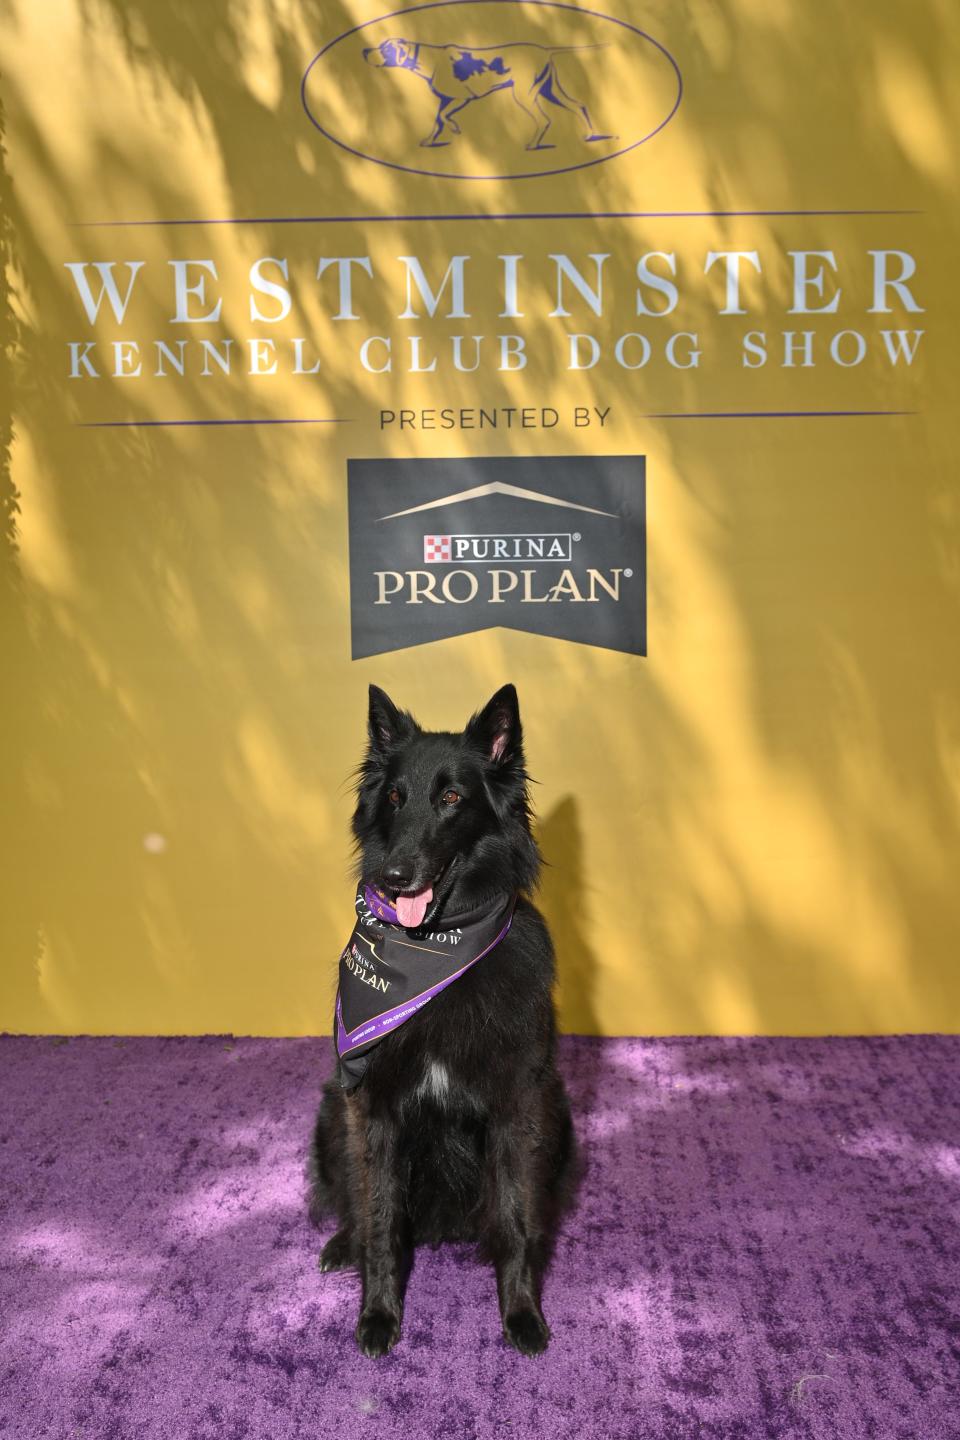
x: 518, y: 175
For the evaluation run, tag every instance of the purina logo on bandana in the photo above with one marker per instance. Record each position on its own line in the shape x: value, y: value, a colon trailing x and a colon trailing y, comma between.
x: 389, y: 972
x: 551, y: 545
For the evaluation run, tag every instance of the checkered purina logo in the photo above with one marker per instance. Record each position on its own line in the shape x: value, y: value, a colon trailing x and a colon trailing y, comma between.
x: 436, y: 547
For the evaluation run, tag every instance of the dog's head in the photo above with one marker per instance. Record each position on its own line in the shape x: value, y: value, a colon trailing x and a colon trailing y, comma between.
x: 392, y: 54
x: 444, y: 817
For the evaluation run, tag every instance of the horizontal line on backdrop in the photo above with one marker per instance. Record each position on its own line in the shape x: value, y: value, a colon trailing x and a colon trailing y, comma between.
x: 145, y: 424
x: 519, y: 215
x: 651, y: 415
x: 767, y: 414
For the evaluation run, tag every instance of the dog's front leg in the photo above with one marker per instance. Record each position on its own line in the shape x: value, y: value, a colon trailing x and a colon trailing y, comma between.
x: 515, y: 1230
x: 442, y: 122
x: 383, y: 1236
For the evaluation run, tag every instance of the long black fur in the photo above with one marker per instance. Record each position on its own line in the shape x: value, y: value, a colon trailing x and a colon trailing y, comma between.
x: 460, y: 1129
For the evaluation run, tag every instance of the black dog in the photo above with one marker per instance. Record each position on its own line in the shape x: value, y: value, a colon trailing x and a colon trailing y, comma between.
x: 453, y: 1125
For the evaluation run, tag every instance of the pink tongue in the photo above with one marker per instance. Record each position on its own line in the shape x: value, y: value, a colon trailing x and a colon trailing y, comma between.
x: 412, y: 908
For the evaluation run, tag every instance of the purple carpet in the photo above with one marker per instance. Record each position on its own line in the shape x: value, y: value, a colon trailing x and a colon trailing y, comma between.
x: 766, y: 1243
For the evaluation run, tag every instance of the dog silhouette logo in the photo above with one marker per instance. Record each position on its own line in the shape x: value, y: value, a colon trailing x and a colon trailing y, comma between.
x: 458, y: 76
x: 403, y: 91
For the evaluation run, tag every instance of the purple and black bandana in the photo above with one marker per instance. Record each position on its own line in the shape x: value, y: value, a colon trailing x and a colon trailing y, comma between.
x: 388, y: 973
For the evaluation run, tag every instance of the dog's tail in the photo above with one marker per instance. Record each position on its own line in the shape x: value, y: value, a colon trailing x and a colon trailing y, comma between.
x: 320, y: 1180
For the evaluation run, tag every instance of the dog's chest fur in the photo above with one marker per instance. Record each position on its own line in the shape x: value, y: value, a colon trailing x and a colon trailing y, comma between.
x: 435, y: 1084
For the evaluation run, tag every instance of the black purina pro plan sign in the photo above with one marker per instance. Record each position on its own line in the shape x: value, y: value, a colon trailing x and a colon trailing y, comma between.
x: 551, y: 545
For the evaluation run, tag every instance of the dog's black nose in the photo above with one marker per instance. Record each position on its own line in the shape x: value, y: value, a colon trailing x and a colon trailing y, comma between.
x: 399, y: 875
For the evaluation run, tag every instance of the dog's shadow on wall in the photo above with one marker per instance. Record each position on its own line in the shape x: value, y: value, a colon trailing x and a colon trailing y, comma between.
x: 562, y: 887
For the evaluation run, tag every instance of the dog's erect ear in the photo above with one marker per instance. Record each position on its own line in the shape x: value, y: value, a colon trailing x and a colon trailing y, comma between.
x: 495, y: 729
x: 386, y: 725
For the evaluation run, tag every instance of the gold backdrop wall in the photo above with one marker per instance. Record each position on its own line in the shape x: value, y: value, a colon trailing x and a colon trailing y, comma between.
x: 754, y: 827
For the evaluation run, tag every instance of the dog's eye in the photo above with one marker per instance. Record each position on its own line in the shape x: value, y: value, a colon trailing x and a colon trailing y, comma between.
x: 450, y: 797
x: 394, y: 796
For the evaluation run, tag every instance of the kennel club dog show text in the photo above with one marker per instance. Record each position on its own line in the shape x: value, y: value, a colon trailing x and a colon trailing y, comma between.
x: 593, y: 311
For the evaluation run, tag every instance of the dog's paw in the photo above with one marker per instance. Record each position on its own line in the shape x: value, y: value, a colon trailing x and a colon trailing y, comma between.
x: 337, y: 1254
x: 527, y: 1331
x: 377, y: 1332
